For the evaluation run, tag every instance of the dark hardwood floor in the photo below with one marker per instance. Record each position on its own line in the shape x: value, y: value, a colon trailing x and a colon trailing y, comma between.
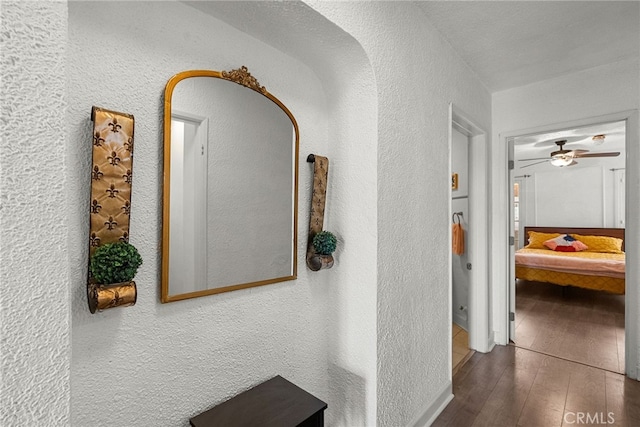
x: 575, y: 324
x: 518, y: 387
x: 563, y: 369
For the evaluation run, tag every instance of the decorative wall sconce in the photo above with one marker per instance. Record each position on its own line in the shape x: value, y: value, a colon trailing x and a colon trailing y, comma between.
x: 110, y: 206
x: 317, y: 261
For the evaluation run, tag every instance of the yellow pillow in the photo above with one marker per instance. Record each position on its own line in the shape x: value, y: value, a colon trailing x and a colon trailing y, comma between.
x: 537, y: 239
x: 606, y: 244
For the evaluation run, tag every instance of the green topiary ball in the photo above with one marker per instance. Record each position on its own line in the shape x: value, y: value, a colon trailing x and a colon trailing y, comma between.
x: 324, y: 243
x: 115, y: 263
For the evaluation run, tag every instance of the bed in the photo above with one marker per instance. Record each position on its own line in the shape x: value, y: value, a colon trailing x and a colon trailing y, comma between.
x: 599, y: 267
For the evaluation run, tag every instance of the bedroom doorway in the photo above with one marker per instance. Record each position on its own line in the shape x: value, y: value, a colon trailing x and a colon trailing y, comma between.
x: 560, y: 180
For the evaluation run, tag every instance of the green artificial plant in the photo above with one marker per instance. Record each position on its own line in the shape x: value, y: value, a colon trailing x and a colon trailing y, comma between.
x: 115, y: 263
x: 324, y: 243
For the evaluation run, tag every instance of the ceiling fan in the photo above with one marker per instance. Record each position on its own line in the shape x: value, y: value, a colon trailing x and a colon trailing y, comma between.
x: 562, y: 157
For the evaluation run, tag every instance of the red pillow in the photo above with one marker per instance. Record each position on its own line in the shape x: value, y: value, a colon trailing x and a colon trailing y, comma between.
x: 565, y: 243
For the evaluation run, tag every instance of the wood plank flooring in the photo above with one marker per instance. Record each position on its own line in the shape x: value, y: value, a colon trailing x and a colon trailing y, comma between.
x: 518, y: 387
x: 575, y: 324
x: 459, y: 348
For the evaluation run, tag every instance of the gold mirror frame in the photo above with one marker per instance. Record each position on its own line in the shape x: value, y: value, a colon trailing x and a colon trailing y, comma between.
x: 242, y: 77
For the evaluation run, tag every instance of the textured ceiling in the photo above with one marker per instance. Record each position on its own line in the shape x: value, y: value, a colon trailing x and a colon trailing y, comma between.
x: 514, y: 43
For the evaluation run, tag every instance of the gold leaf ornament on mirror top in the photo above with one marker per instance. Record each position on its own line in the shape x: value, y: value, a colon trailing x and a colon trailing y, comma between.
x: 243, y: 77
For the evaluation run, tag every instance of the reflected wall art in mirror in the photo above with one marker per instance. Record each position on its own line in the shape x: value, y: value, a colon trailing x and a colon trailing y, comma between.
x: 230, y: 185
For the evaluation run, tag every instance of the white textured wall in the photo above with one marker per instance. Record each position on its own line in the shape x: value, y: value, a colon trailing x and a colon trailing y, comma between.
x: 159, y: 364
x: 598, y: 91
x: 417, y: 76
x: 35, y: 346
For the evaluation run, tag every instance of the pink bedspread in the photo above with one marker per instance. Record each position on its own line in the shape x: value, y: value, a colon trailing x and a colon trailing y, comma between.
x: 586, y: 263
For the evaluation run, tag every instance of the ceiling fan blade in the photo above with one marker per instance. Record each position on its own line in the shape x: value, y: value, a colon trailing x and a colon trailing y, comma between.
x: 532, y: 164
x: 579, y: 151
x: 609, y: 154
x: 573, y: 163
x: 535, y: 158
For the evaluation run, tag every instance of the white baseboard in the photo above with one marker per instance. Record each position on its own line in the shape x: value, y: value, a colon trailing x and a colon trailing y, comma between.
x: 492, y: 341
x: 435, y: 408
x: 500, y: 338
x: 486, y: 346
x: 461, y: 321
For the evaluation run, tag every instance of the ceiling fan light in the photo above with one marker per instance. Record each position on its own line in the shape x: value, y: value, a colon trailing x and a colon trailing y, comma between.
x: 598, y: 139
x: 561, y: 160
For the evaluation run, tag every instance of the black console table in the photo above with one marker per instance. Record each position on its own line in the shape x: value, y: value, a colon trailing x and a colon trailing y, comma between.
x: 276, y: 402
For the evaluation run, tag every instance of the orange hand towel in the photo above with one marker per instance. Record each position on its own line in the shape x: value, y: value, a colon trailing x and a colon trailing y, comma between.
x: 458, y: 239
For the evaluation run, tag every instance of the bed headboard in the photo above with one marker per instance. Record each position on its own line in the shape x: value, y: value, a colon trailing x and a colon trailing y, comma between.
x: 612, y: 232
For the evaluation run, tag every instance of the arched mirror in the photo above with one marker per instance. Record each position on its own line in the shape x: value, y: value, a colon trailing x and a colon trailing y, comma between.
x: 230, y: 185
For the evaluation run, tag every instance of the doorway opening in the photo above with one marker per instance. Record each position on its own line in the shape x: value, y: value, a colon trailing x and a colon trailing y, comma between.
x: 567, y: 261
x: 460, y: 265
x: 189, y: 151
x: 470, y: 307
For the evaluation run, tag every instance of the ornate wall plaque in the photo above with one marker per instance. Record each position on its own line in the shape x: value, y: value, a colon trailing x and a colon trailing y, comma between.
x: 110, y: 204
x: 315, y: 261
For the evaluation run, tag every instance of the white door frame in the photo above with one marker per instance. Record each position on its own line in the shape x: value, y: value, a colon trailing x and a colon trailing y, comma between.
x: 200, y: 216
x: 522, y: 220
x: 480, y: 335
x: 632, y: 233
